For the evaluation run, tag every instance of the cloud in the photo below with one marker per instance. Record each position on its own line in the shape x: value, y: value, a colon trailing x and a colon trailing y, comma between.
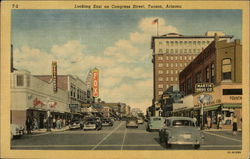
x: 124, y: 66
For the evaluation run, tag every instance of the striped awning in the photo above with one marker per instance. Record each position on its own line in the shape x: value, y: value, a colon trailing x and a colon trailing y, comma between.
x: 213, y: 107
x: 232, y: 105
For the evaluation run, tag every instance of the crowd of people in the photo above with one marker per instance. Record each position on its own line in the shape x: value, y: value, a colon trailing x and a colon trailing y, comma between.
x: 48, y: 123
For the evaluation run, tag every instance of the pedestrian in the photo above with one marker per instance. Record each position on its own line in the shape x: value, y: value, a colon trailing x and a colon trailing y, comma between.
x: 58, y: 123
x: 235, y: 125
x: 64, y: 122
x: 44, y: 123
x: 54, y: 123
x: 208, y: 122
x: 195, y: 120
x: 35, y: 124
x: 220, y: 123
x: 28, y: 125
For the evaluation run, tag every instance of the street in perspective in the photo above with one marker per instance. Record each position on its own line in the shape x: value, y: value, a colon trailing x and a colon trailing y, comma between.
x: 151, y: 84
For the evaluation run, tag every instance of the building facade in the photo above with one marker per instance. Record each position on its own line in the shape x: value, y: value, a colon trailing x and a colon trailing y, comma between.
x: 219, y: 64
x: 33, y: 98
x: 75, y: 87
x: 172, y: 53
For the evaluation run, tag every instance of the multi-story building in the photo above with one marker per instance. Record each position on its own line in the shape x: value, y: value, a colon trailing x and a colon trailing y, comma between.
x: 76, y: 88
x: 34, y: 98
x: 219, y: 64
x: 172, y: 53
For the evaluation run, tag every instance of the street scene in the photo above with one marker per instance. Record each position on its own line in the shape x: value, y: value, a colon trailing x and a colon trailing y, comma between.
x: 118, y: 137
x: 141, y: 80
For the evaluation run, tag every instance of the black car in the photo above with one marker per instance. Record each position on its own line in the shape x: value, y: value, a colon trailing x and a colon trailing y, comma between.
x: 107, y: 122
x: 75, y: 124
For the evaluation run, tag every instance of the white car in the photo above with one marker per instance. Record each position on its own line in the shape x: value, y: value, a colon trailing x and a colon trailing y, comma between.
x: 16, y: 130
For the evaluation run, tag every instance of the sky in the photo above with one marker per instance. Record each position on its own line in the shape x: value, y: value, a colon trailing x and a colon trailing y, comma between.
x: 117, y: 42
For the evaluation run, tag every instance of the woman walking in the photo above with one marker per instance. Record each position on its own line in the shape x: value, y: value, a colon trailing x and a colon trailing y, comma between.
x: 235, y: 125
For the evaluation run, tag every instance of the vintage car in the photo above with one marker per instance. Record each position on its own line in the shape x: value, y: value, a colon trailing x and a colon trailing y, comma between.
x: 75, y: 124
x: 132, y: 122
x: 180, y: 131
x: 92, y: 124
x: 155, y: 123
x: 16, y: 130
x: 107, y: 122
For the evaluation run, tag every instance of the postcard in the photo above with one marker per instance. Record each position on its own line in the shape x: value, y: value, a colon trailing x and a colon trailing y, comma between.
x: 125, y: 79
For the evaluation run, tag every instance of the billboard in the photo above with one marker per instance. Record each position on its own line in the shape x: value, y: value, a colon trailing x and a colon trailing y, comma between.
x: 95, y: 82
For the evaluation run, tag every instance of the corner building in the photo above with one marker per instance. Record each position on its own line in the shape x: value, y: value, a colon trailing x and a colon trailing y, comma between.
x: 172, y: 53
x: 221, y: 64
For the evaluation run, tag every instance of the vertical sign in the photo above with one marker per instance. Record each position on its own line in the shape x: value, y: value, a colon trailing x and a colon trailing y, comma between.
x: 54, y: 76
x: 95, y: 83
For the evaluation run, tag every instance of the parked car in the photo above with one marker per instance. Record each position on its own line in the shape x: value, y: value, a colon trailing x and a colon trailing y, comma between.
x: 155, y: 123
x: 140, y: 120
x: 107, y: 122
x: 91, y: 124
x: 180, y: 131
x: 75, y: 124
x: 16, y: 130
x: 132, y: 122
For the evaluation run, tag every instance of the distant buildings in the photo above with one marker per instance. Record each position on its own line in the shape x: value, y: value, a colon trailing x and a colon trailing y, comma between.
x: 172, y: 53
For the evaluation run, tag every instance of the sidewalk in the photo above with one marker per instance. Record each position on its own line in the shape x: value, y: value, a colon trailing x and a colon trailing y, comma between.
x: 52, y: 130
x: 212, y: 129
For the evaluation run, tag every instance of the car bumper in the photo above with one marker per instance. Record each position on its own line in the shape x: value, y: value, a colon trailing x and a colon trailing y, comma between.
x: 89, y: 127
x: 184, y: 142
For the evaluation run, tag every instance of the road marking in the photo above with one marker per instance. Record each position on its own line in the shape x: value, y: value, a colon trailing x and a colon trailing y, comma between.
x: 222, y: 136
x: 125, y: 132
x: 107, y: 136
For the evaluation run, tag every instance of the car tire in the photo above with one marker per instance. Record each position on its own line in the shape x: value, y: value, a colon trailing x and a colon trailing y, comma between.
x: 197, y: 146
x: 126, y: 126
x: 167, y: 144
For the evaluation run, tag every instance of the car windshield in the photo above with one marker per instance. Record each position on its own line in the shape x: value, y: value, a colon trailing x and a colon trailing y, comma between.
x: 183, y: 123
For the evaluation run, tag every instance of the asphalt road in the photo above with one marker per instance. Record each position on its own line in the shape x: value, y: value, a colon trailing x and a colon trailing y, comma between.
x: 119, y: 137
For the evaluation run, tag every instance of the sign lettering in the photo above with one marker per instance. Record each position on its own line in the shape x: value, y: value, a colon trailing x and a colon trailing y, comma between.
x: 95, y: 84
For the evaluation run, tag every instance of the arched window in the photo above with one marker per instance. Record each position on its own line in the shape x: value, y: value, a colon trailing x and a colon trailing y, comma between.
x: 212, y: 72
x: 226, y: 69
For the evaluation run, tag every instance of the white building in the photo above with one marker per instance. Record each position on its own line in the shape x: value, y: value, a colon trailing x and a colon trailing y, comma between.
x: 32, y: 97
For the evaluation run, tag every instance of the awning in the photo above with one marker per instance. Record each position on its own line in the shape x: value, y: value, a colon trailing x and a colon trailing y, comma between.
x: 213, y: 107
x: 232, y: 105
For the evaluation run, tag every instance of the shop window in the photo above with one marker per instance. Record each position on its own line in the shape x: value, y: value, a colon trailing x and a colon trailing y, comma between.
x: 212, y: 72
x: 226, y: 69
x: 19, y: 80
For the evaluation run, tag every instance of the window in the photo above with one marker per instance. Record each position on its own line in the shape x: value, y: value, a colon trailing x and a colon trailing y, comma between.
x: 176, y: 78
x: 180, y: 57
x: 207, y: 74
x: 226, y: 69
x: 166, y: 57
x: 190, y: 58
x: 167, y: 43
x: 160, y: 65
x: 160, y: 79
x: 167, y: 79
x: 185, y: 42
x: 167, y: 72
x: 190, y: 42
x: 208, y: 42
x: 203, y: 42
x: 167, y: 51
x: 176, y: 51
x: 176, y: 64
x: 171, y: 58
x: 167, y: 86
x: 160, y: 50
x: 190, y: 50
x: 189, y: 85
x: 172, y: 51
x: 198, y: 77
x: 176, y: 43
x: 160, y: 85
x: 172, y: 43
x: 180, y: 64
x: 172, y: 78
x: 19, y: 80
x: 160, y: 43
x: 171, y: 72
x: 194, y: 50
x: 171, y: 64
x: 176, y: 57
x: 181, y: 42
x: 185, y: 50
x: 160, y: 58
x: 176, y: 71
x: 160, y: 92
x: 194, y: 42
x: 212, y: 72
x: 198, y: 42
x: 185, y: 57
x: 160, y: 71
x: 181, y: 51
x: 166, y: 64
